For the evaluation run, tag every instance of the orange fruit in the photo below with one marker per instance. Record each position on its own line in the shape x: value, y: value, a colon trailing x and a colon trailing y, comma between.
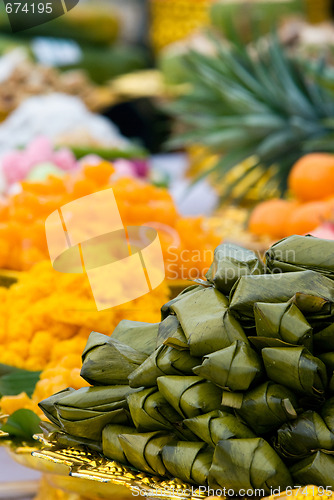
x: 270, y: 218
x: 309, y: 216
x: 312, y: 177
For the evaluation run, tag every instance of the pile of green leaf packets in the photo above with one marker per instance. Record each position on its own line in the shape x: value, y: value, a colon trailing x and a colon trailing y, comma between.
x: 234, y: 388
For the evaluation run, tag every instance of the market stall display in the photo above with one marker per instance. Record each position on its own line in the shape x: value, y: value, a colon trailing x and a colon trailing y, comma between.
x: 222, y: 376
x: 42, y: 292
x: 237, y: 378
x: 173, y: 20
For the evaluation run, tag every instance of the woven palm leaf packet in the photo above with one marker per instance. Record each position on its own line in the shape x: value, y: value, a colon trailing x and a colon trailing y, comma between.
x: 233, y: 389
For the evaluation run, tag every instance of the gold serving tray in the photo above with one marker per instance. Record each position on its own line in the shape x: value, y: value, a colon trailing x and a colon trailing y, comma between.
x: 93, y: 476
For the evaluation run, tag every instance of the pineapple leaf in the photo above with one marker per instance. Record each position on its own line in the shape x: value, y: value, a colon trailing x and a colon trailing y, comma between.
x: 255, y: 101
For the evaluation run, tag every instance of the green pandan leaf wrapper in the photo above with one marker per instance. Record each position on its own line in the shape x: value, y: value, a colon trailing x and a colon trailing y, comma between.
x: 249, y: 290
x: 236, y: 367
x: 107, y: 361
x: 229, y: 264
x: 249, y: 464
x: 316, y: 469
x: 297, y: 253
x: 214, y: 426
x: 296, y: 368
x: 189, y: 462
x: 164, y: 361
x: 206, y: 321
x: 264, y: 408
x: 305, y: 435
x: 85, y: 412
x: 284, y: 322
x: 144, y: 451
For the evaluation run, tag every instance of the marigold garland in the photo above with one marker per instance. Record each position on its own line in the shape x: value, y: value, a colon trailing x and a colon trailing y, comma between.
x: 45, y: 320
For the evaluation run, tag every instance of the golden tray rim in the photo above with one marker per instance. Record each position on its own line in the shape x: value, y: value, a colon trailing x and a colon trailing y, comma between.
x: 84, y: 464
x: 87, y: 464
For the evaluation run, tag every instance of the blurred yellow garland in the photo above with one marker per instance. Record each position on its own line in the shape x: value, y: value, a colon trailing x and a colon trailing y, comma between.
x: 45, y: 320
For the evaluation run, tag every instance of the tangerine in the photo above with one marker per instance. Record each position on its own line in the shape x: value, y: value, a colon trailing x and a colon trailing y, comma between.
x: 309, y: 216
x: 312, y: 177
x: 270, y: 218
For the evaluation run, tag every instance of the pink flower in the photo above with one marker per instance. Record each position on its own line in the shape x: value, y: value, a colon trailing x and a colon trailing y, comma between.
x: 141, y: 167
x: 90, y: 160
x: 15, y: 166
x: 124, y: 168
x: 132, y: 168
x: 325, y: 231
x: 65, y: 159
x: 39, y: 151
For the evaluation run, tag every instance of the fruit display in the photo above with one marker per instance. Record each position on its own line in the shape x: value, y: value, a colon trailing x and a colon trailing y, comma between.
x: 232, y: 389
x: 256, y: 102
x: 186, y: 241
x: 311, y: 186
x: 311, y: 178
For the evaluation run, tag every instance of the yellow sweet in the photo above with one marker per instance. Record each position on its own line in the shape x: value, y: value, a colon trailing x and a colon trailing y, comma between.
x: 10, y: 404
x: 45, y: 320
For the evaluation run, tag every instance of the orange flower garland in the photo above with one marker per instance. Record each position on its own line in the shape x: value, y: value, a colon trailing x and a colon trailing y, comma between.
x: 22, y: 219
